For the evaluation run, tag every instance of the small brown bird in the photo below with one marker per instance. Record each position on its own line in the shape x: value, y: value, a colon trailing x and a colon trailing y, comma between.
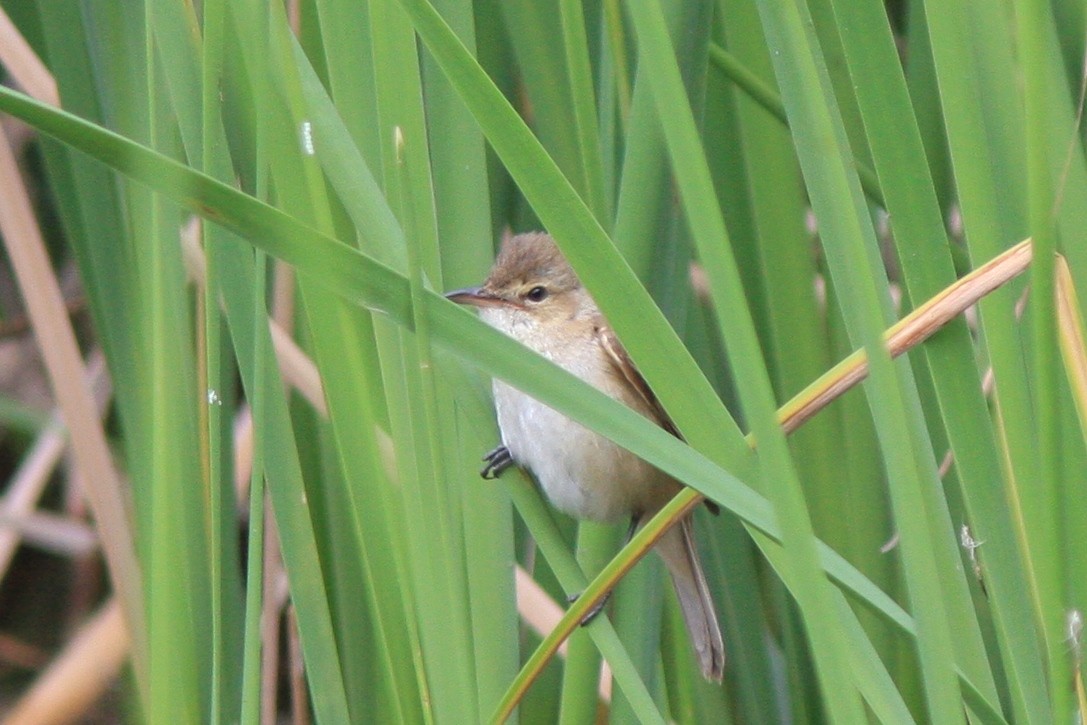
x: 533, y: 295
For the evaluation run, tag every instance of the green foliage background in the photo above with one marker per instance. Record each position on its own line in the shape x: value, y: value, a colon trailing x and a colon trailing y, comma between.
x: 380, y: 148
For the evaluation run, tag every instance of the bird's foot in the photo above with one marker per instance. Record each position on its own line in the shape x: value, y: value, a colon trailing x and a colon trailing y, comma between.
x: 595, y: 611
x: 497, y: 461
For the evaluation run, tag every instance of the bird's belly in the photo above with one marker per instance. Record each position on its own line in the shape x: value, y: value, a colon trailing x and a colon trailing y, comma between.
x: 582, y: 473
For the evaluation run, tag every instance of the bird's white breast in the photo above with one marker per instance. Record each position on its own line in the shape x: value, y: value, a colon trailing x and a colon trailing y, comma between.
x: 582, y: 473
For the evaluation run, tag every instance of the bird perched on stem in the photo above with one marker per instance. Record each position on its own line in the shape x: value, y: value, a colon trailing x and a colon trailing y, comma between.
x: 533, y: 295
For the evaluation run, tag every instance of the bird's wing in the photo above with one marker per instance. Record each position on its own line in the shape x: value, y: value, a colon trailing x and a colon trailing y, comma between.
x: 626, y: 369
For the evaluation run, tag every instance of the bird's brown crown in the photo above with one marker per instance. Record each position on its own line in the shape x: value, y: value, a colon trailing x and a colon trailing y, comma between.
x: 531, y: 257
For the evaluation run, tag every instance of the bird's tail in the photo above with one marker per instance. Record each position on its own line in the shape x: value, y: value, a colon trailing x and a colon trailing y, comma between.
x: 677, y: 548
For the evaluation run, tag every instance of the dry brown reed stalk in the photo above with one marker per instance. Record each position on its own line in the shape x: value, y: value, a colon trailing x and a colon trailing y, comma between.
x: 89, y: 663
x: 63, y: 361
x: 912, y: 330
x: 24, y: 65
x: 28, y: 482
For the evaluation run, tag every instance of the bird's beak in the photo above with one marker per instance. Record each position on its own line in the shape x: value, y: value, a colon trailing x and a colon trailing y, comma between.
x: 475, y: 296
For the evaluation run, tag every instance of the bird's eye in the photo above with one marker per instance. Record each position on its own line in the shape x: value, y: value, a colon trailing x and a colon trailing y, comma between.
x: 537, y: 294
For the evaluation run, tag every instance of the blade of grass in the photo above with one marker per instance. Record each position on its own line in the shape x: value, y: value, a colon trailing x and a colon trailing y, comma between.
x: 927, y: 267
x: 763, y: 94
x: 283, y: 470
x: 812, y: 591
x: 224, y: 606
x: 287, y: 493
x: 357, y: 402
x: 848, y: 239
x: 545, y: 77
x: 797, y: 337
x: 436, y: 535
x: 458, y: 171
x: 761, y: 196
x: 1042, y: 507
x: 254, y: 582
x: 982, y: 117
x: 583, y: 108
x: 171, y: 530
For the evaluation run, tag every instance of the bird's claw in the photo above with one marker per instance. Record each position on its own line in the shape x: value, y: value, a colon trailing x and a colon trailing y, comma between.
x: 594, y: 612
x: 497, y: 461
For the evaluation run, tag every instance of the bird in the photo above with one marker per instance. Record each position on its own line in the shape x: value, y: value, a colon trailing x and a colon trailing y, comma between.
x: 533, y: 295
